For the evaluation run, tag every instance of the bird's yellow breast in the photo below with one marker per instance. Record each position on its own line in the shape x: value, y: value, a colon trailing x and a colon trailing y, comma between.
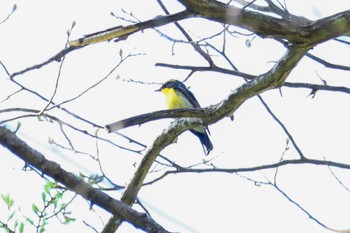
x: 175, y: 99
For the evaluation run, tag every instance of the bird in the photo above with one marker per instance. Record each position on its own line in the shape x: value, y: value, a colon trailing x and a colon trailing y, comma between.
x: 177, y: 95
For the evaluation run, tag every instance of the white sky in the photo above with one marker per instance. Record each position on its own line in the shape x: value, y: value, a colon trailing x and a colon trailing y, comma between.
x: 184, y: 203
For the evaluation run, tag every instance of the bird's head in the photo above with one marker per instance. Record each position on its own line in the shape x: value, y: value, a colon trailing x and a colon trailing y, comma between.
x: 172, y: 83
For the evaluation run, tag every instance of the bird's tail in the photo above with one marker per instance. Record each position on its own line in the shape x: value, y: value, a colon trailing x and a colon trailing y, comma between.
x: 205, y: 140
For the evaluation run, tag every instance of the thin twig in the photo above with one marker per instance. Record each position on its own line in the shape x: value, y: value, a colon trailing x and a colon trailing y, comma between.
x: 302, y: 208
x: 55, y: 89
x: 283, y: 127
x: 339, y: 181
x: 14, y: 8
x: 327, y: 64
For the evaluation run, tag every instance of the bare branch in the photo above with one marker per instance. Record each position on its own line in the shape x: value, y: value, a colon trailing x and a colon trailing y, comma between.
x: 207, y: 68
x: 339, y: 181
x: 120, y: 32
x: 55, y: 89
x: 4, y: 67
x: 278, y: 164
x: 303, y: 209
x: 14, y: 8
x: 314, y: 87
x: 302, y: 156
x: 250, y: 5
x: 189, y: 39
x: 34, y: 113
x: 57, y: 57
x: 327, y: 64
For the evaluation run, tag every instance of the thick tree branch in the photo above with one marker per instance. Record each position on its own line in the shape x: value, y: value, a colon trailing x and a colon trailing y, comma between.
x: 295, y: 31
x: 162, y: 141
x: 275, y: 77
x: 30, y: 156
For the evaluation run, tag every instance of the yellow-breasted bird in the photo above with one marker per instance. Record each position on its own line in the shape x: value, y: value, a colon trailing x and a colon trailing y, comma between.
x: 178, y: 96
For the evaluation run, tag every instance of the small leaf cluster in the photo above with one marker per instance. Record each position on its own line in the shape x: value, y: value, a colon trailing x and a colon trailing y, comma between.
x: 53, y: 204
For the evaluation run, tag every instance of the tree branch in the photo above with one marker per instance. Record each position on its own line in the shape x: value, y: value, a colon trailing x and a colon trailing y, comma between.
x: 317, y: 87
x: 147, y: 117
x: 260, y: 167
x: 302, y: 156
x: 56, y: 57
x: 162, y: 141
x: 295, y: 31
x: 75, y: 184
x: 120, y: 32
x: 327, y: 64
x: 313, y: 87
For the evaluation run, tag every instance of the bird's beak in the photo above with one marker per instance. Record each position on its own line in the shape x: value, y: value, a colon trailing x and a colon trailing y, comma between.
x: 158, y: 90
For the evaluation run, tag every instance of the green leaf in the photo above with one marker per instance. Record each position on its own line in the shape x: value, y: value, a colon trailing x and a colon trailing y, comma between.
x: 42, y: 229
x: 43, y: 196
x: 30, y: 221
x: 21, y: 227
x: 68, y: 220
x: 8, y: 200
x: 54, y: 201
x: 48, y: 186
x: 11, y: 216
x: 35, y: 208
x: 59, y: 195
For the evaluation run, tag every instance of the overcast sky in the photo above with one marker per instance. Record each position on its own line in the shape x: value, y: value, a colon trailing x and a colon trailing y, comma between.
x: 181, y: 203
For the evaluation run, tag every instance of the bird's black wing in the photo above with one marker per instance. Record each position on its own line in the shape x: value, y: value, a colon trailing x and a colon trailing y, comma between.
x: 189, y: 95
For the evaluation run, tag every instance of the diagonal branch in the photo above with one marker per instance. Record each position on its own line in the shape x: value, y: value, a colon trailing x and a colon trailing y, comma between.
x: 162, y: 141
x: 121, y: 32
x: 302, y: 156
x: 56, y: 57
x: 18, y: 147
x: 188, y: 37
